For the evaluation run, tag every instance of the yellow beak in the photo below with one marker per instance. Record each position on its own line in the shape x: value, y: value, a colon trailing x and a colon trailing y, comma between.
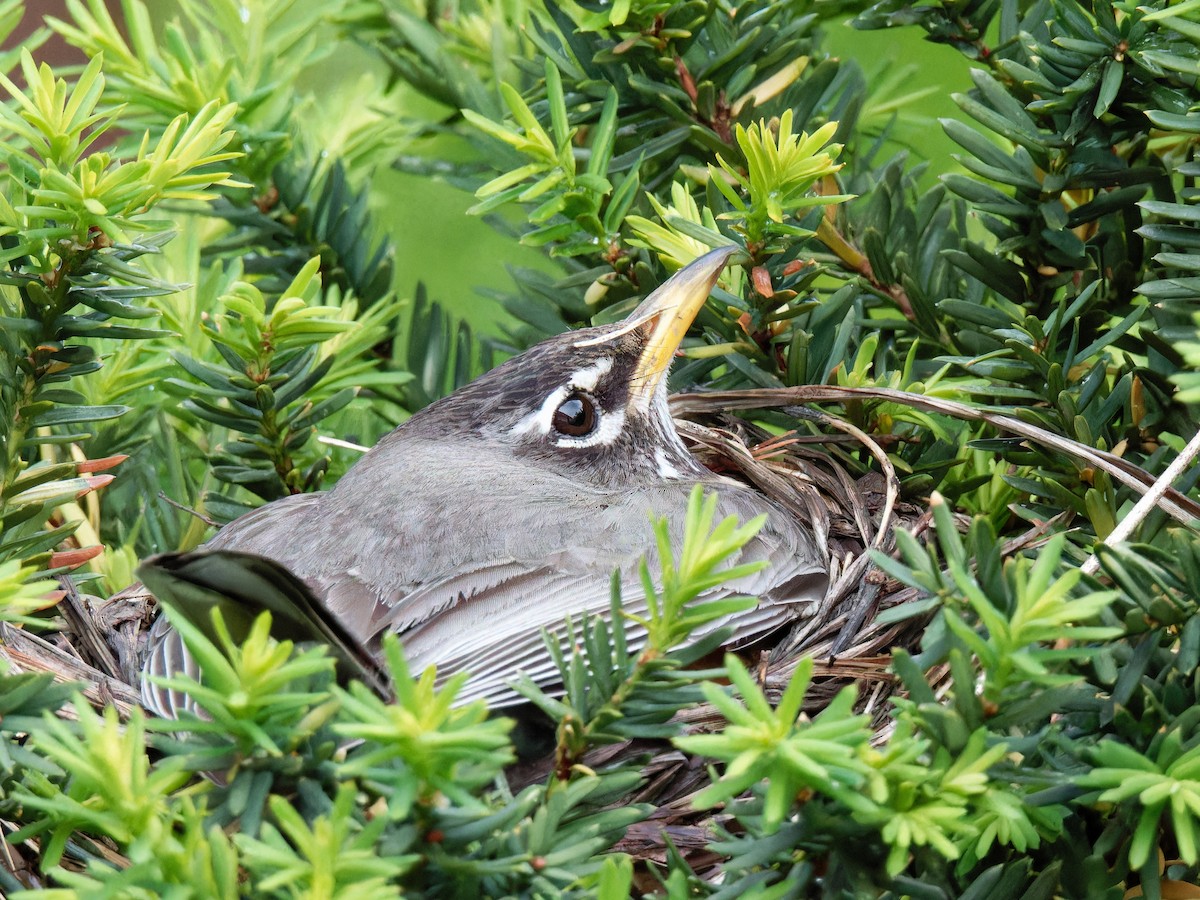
x: 669, y: 312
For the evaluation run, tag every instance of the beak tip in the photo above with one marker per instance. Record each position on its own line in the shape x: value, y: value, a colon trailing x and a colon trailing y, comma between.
x: 714, y: 260
x: 723, y: 253
x: 692, y: 284
x: 673, y: 307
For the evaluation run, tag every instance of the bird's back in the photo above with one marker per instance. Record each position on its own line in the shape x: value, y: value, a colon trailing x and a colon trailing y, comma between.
x: 472, y: 561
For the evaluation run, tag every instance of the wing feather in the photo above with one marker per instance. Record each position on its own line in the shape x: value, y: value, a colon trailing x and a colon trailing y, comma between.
x: 516, y: 609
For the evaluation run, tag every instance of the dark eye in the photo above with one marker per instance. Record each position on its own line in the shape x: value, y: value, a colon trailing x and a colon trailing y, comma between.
x: 576, y: 416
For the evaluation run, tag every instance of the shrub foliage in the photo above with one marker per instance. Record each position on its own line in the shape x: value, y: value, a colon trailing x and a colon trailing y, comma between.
x: 196, y: 290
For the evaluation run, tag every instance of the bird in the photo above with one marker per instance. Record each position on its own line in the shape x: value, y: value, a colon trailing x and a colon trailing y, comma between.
x: 507, y: 506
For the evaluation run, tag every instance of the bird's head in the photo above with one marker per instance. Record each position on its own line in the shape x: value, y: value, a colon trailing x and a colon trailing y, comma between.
x: 591, y: 403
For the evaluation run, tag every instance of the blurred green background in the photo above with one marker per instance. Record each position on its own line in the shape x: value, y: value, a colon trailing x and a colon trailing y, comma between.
x: 455, y: 254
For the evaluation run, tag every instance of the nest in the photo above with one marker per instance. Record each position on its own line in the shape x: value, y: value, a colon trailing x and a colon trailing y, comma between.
x: 98, y: 643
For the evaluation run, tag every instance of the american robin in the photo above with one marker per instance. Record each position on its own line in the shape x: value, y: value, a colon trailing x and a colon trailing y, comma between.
x: 504, y: 508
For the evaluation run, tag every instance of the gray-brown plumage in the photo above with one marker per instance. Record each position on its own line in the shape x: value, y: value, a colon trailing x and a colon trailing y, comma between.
x: 506, y: 507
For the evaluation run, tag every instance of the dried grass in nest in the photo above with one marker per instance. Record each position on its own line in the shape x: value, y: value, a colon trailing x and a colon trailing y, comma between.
x: 802, y: 473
